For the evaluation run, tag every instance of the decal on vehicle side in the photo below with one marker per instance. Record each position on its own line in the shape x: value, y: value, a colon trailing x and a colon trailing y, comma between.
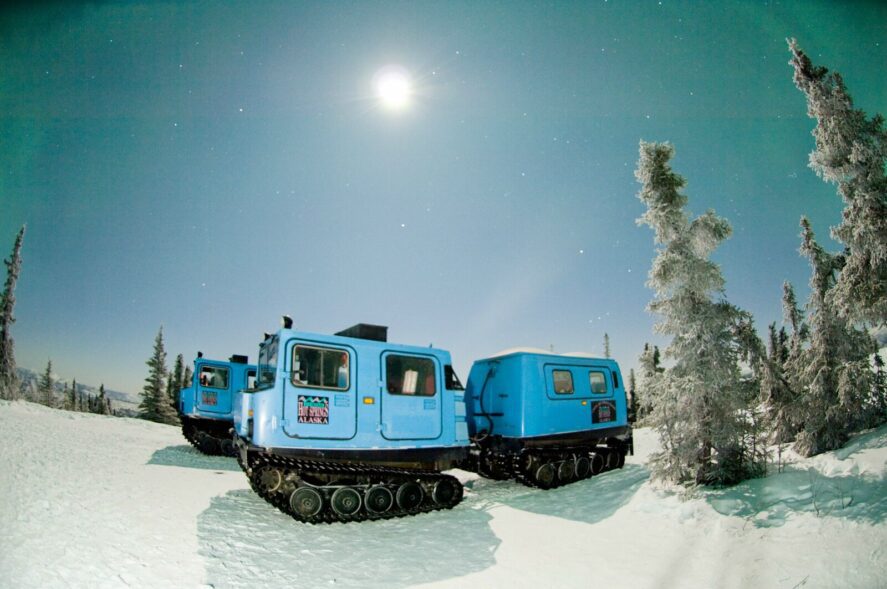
x: 314, y: 409
x: 603, y: 412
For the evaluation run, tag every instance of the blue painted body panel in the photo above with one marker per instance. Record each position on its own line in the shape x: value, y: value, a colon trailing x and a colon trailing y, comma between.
x: 215, y: 400
x: 517, y: 394
x: 356, y: 410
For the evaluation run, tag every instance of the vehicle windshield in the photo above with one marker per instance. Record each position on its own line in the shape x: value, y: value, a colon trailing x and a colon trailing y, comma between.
x: 267, y: 363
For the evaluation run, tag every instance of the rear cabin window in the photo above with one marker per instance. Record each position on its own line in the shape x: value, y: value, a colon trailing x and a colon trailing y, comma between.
x: 214, y: 377
x: 598, y: 382
x: 406, y: 375
x: 251, y: 379
x: 563, y: 382
x: 323, y: 368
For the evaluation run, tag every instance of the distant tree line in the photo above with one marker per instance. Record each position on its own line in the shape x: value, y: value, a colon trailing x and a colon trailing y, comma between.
x: 71, y: 398
x: 813, y: 384
x: 159, y: 396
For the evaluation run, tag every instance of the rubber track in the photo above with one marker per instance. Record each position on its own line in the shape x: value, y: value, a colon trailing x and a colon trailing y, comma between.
x: 524, y: 477
x: 378, y: 475
x: 190, y: 433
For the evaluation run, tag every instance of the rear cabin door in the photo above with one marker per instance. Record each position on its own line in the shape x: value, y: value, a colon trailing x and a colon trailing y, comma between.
x: 319, y: 397
x: 214, y: 385
x: 411, y: 397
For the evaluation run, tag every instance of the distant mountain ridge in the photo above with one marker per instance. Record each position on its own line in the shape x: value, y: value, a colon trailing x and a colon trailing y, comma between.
x: 31, y: 379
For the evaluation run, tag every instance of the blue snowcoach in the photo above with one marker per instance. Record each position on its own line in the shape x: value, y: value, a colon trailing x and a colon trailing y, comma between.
x: 546, y: 419
x: 349, y: 427
x: 205, y: 407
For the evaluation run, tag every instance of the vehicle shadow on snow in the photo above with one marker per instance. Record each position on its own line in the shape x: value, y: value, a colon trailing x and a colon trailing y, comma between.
x: 190, y: 457
x: 588, y: 501
x: 247, y: 543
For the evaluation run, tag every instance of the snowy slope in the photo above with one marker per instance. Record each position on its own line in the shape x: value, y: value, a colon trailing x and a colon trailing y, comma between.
x: 94, y: 501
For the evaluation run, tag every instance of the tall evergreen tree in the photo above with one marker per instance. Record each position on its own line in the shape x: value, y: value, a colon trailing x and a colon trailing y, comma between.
x: 698, y: 402
x: 188, y: 377
x: 104, y: 402
x: 606, y: 345
x: 76, y: 398
x: 851, y: 151
x: 834, y: 370
x: 879, y: 389
x: 155, y: 404
x: 45, y: 393
x: 9, y: 381
x: 777, y: 395
x: 632, y: 397
x: 174, y: 385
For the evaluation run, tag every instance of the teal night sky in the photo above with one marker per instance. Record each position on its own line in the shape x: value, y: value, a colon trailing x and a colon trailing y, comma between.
x: 209, y: 166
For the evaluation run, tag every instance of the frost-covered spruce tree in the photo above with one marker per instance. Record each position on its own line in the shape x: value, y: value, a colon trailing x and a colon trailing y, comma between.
x: 45, y: 394
x: 155, y: 403
x: 834, y: 369
x: 9, y: 381
x: 698, y: 404
x: 606, y: 345
x: 777, y: 396
x: 851, y: 151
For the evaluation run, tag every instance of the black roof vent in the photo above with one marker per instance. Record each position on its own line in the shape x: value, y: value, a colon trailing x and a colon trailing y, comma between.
x: 377, y: 333
x: 238, y: 359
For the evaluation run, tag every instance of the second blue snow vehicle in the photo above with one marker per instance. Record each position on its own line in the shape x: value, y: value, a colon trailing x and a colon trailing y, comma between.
x: 205, y: 407
x: 546, y: 419
x: 349, y: 427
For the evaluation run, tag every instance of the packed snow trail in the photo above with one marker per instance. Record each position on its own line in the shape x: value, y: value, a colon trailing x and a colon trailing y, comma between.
x: 94, y: 501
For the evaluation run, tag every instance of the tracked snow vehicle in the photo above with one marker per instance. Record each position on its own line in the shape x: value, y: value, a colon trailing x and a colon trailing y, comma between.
x: 205, y: 408
x: 546, y: 419
x: 351, y: 427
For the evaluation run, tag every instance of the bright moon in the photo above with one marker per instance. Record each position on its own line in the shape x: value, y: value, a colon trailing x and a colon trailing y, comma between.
x: 393, y: 87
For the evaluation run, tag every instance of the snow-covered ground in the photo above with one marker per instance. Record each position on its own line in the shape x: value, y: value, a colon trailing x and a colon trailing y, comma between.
x: 89, y: 501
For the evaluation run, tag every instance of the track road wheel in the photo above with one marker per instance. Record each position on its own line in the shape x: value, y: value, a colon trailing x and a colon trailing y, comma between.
x: 306, y: 502
x: 612, y: 459
x: 271, y: 479
x: 565, y: 470
x: 445, y: 492
x: 544, y: 475
x: 409, y: 495
x: 207, y: 444
x: 345, y: 501
x: 227, y: 447
x: 582, y: 467
x: 597, y: 463
x: 378, y: 499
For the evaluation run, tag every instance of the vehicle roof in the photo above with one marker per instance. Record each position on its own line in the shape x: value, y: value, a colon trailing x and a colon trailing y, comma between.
x: 529, y: 351
x: 287, y: 334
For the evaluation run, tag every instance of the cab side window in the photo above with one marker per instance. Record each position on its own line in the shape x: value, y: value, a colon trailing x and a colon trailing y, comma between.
x: 598, y: 382
x: 407, y: 375
x: 563, y: 382
x: 214, y: 377
x: 323, y: 368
